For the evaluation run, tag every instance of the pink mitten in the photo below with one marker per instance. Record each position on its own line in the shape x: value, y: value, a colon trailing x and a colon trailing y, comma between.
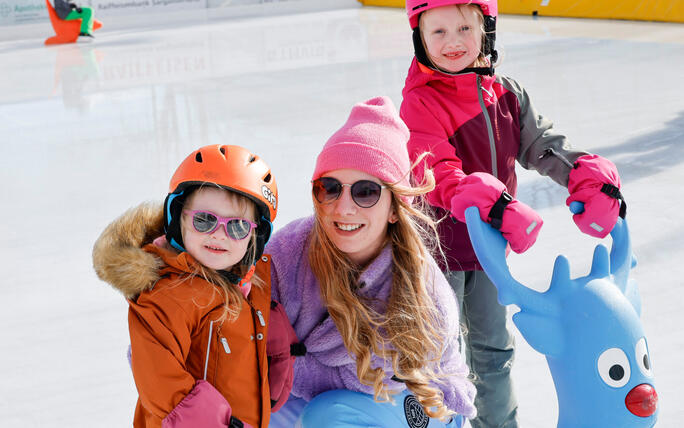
x: 595, y: 182
x: 518, y: 223
x: 204, y: 406
x: 281, y: 337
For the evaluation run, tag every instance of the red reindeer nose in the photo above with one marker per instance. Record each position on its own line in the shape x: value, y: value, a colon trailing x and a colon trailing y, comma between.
x: 642, y: 400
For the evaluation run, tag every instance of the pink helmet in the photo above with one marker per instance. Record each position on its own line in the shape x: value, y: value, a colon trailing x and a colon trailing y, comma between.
x: 416, y: 7
x: 489, y: 9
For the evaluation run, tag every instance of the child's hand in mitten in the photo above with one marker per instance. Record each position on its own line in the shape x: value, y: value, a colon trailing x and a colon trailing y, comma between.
x: 594, y: 182
x: 519, y: 224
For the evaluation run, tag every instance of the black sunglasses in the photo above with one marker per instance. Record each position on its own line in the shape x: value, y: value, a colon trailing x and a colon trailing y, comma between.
x: 364, y: 193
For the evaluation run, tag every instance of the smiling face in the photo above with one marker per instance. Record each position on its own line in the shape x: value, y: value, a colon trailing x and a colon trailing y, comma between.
x: 215, y: 250
x: 452, y: 36
x: 358, y: 232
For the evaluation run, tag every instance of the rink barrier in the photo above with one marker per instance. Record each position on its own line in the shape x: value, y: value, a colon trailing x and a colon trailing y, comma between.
x: 641, y: 10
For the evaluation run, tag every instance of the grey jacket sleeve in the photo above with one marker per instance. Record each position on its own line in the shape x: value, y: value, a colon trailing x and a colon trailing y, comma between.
x: 541, y: 147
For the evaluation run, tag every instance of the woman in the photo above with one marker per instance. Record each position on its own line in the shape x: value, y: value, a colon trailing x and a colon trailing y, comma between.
x: 378, y: 319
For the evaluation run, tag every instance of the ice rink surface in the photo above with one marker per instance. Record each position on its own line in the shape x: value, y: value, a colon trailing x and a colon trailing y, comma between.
x: 89, y: 130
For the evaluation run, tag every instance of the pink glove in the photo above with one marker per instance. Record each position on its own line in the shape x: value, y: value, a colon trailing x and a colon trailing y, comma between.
x: 281, y: 337
x: 518, y: 223
x: 204, y: 406
x: 595, y: 182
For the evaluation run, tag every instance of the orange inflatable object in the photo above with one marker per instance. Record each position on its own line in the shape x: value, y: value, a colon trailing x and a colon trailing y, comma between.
x: 66, y: 31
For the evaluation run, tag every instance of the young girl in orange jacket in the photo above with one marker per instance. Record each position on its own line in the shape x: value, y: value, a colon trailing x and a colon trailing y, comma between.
x: 200, y: 310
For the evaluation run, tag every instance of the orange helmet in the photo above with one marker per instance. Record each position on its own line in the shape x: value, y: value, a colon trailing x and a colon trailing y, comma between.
x: 233, y: 168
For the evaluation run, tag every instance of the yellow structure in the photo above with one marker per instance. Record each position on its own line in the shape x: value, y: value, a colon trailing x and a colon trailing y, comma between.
x: 645, y: 10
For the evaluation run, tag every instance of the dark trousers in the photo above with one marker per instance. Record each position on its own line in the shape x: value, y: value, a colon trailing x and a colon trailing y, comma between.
x: 489, y: 349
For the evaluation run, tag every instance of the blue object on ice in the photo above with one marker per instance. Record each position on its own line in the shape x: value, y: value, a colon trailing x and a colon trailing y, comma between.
x: 588, y: 328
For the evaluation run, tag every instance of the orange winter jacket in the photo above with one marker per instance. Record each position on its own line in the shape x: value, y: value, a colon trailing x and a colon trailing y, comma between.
x: 176, y: 333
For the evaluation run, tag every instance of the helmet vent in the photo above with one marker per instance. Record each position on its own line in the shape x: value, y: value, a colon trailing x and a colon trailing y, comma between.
x: 198, y: 157
x: 267, y: 179
x: 223, y: 150
x: 419, y: 6
x: 252, y: 158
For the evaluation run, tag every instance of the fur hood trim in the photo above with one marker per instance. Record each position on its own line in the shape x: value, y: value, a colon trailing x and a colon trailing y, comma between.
x: 118, y: 257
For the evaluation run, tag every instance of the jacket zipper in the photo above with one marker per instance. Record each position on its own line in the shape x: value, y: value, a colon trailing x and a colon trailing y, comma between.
x: 490, y: 130
x: 206, y: 360
x: 261, y: 318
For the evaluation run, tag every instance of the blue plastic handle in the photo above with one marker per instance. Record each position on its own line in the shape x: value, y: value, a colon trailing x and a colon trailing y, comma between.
x: 577, y: 207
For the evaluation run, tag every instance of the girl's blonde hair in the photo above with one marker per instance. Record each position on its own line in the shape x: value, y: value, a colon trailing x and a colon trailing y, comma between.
x: 231, y: 292
x: 481, y: 60
x: 409, y: 333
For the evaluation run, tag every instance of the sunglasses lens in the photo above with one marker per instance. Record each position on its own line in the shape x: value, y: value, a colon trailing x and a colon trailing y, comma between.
x: 326, y: 189
x: 238, y: 228
x: 366, y: 193
x: 204, y: 222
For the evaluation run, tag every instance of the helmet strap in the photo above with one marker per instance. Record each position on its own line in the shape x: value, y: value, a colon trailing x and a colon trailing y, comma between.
x: 263, y: 231
x: 490, y: 38
x: 173, y: 206
x: 248, y: 276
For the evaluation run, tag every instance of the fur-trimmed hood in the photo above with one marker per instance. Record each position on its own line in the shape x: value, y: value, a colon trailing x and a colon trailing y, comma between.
x: 118, y: 257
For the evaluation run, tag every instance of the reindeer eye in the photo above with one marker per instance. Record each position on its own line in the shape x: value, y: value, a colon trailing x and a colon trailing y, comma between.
x: 613, y: 367
x: 642, y: 357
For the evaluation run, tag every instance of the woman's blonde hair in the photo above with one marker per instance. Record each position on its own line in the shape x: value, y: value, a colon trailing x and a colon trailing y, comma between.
x: 481, y: 60
x: 231, y: 292
x: 408, y: 333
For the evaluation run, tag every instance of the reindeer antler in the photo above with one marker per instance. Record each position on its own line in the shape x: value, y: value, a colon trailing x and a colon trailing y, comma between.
x: 490, y: 248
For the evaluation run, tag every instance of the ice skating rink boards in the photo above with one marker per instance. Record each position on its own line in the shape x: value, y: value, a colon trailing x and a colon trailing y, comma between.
x: 645, y: 10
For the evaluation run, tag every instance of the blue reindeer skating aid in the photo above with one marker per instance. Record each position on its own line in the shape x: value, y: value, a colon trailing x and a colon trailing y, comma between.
x: 588, y: 328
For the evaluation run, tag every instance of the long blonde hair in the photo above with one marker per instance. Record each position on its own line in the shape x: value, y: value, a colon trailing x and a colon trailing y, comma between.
x: 408, y: 333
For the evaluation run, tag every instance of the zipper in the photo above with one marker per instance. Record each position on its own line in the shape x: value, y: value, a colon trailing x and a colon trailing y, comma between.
x: 224, y: 342
x: 490, y: 130
x: 206, y: 360
x: 261, y: 318
x: 551, y: 152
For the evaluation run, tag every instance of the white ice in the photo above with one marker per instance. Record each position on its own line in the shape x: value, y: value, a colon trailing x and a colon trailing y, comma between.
x: 89, y: 130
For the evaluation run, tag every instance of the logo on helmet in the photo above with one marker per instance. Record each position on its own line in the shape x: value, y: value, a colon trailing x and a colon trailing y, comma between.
x: 270, y: 197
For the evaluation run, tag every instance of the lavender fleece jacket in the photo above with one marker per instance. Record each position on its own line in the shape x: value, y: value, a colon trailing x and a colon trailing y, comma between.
x: 327, y: 364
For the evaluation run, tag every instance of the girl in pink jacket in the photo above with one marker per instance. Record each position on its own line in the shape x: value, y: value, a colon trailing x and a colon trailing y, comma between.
x: 475, y: 124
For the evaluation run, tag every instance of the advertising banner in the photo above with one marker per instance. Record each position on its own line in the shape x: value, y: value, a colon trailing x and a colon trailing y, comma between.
x: 131, y: 7
x: 32, y: 11
x: 22, y: 11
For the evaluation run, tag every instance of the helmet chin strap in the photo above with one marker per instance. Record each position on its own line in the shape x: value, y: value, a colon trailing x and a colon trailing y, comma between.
x: 235, y: 279
x: 248, y: 276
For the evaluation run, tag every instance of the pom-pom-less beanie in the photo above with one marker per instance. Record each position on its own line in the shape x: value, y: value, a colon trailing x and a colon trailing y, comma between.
x: 373, y: 140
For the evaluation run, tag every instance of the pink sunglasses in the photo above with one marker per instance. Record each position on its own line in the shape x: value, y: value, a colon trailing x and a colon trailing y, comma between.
x: 207, y: 222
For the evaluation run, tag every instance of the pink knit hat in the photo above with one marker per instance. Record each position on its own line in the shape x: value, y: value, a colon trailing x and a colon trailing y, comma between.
x: 373, y: 140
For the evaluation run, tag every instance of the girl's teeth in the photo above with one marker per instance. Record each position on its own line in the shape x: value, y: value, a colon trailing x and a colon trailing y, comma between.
x: 348, y: 227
